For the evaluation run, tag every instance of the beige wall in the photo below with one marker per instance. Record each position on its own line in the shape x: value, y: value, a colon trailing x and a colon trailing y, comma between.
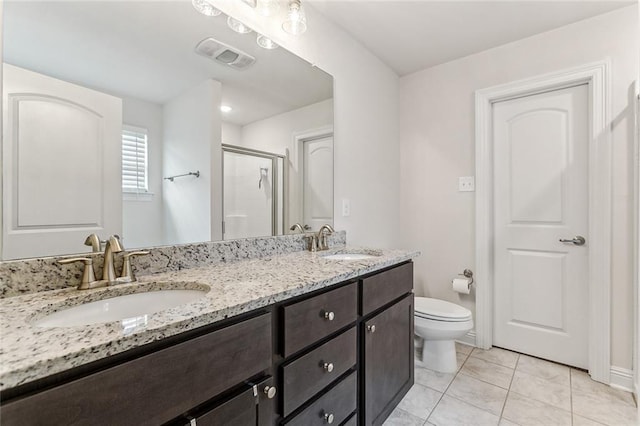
x: 437, y: 146
x: 366, y: 150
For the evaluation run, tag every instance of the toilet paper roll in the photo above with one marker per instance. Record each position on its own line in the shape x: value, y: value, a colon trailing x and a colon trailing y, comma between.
x: 462, y: 285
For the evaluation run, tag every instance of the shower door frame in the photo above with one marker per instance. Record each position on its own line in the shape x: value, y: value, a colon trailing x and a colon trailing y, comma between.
x: 275, y: 196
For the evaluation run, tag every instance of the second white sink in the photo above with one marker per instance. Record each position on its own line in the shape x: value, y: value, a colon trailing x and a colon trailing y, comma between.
x: 119, y: 308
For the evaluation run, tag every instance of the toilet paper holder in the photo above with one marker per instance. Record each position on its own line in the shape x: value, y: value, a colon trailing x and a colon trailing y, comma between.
x: 468, y: 273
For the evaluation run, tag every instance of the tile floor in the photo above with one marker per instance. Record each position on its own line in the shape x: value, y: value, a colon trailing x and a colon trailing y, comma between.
x: 499, y: 387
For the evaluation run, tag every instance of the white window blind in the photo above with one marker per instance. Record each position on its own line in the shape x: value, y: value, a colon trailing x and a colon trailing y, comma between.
x: 134, y: 160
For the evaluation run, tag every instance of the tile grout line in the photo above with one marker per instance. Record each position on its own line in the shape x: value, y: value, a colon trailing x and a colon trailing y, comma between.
x: 446, y: 389
x: 509, y: 389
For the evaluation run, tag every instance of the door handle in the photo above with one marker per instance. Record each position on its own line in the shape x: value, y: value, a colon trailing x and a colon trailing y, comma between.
x: 578, y: 240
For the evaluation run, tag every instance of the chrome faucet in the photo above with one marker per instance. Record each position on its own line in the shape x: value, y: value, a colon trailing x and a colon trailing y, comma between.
x: 325, y: 230
x: 108, y: 271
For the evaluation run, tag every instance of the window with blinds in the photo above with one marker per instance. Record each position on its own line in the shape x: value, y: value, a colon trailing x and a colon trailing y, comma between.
x: 134, y: 160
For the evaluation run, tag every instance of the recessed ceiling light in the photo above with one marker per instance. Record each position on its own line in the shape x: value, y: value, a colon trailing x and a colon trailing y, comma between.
x: 225, y: 108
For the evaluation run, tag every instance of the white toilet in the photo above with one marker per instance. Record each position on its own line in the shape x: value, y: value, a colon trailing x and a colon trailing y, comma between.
x: 438, y: 323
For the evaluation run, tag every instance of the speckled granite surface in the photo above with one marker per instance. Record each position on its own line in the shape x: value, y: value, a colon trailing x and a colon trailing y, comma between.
x: 28, y: 352
x: 44, y: 274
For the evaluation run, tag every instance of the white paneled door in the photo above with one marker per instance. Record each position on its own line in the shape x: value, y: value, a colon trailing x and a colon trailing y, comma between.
x: 61, y: 165
x: 541, y: 198
x: 317, y: 185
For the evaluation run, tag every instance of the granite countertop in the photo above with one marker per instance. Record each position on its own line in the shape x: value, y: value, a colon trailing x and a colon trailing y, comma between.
x: 28, y: 352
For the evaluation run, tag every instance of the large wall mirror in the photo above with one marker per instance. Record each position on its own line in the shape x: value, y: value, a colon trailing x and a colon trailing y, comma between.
x: 155, y: 122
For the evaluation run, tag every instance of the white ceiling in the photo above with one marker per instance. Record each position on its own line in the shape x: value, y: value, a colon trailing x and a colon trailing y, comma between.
x: 145, y: 50
x: 413, y: 35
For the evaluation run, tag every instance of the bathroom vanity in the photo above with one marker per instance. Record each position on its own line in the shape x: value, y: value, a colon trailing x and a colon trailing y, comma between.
x: 331, y: 343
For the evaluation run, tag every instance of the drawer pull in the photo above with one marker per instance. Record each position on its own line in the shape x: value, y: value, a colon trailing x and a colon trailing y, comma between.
x: 371, y: 328
x: 327, y: 366
x: 270, y: 391
x: 328, y: 417
x: 329, y: 315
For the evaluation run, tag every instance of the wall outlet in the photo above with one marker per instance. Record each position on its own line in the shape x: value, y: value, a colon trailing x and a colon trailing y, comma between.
x: 466, y: 184
x: 346, y: 207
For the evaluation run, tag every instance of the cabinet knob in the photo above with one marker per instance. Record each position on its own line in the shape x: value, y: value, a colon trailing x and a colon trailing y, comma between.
x: 371, y: 328
x: 270, y: 391
x: 327, y: 366
x: 329, y: 315
x: 328, y: 417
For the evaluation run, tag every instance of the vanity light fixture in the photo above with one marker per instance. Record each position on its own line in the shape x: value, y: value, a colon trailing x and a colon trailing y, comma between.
x: 204, y: 7
x: 266, y: 42
x: 296, y: 21
x: 225, y: 108
x: 238, y: 26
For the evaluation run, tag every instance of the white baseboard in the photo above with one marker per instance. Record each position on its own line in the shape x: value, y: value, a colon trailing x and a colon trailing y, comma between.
x: 622, y: 378
x: 468, y: 339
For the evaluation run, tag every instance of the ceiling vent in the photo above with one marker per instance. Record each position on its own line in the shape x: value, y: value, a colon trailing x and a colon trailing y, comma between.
x: 216, y: 50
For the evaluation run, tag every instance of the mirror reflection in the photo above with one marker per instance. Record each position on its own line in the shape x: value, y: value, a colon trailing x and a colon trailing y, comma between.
x: 155, y: 122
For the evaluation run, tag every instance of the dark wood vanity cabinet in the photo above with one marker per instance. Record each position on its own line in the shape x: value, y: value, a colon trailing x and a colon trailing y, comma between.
x: 342, y: 355
x: 364, y: 330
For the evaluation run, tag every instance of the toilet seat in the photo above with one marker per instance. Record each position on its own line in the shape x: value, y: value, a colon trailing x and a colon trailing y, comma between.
x: 440, y: 310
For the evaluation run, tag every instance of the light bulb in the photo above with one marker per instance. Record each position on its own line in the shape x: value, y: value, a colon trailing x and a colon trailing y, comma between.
x: 267, y: 7
x: 225, y: 108
x: 266, y: 42
x: 238, y: 26
x: 204, y: 7
x: 296, y: 22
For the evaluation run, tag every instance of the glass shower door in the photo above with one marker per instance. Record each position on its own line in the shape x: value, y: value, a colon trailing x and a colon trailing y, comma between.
x: 251, y: 202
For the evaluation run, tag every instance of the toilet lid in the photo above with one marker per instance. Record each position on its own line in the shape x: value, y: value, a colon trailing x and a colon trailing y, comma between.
x: 440, y: 309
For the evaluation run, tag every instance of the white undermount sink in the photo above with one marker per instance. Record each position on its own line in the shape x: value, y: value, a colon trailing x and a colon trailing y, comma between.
x: 349, y: 256
x: 133, y: 307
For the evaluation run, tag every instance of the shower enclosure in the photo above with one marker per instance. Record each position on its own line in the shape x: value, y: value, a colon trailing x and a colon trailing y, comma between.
x: 253, y: 192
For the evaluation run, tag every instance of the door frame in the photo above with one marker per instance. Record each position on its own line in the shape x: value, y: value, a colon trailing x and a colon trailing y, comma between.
x: 597, y: 77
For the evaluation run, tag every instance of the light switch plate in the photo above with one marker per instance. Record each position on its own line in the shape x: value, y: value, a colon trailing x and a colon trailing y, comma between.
x: 346, y: 207
x: 466, y: 184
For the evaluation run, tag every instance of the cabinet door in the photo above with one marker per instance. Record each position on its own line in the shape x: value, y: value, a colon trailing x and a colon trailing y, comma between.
x: 388, y: 360
x: 239, y: 410
x: 251, y: 407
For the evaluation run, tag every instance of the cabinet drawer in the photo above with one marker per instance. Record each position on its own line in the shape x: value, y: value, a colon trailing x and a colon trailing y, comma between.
x: 312, y: 319
x: 382, y: 288
x: 339, y: 402
x: 309, y: 374
x: 154, y: 388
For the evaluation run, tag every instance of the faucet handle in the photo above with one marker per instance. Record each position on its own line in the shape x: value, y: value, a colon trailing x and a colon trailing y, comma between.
x: 88, y: 275
x: 313, y: 241
x: 127, y: 271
